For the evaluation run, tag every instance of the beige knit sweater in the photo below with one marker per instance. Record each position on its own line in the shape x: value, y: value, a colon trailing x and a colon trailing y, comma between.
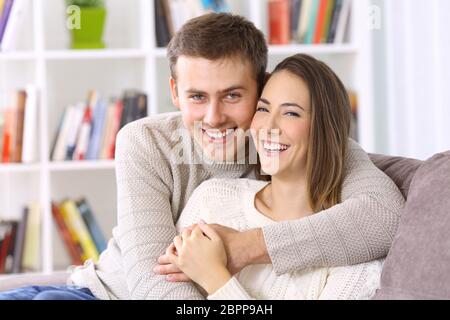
x: 153, y: 187
x: 230, y: 202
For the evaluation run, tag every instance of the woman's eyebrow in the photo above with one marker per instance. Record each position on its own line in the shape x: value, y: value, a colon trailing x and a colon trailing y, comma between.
x: 290, y: 104
x: 286, y: 104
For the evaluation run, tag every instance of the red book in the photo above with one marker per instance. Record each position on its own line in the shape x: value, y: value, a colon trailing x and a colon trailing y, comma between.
x: 320, y: 21
x: 115, y: 129
x: 279, y: 22
x: 73, y: 248
x: 7, y: 136
x: 4, y: 248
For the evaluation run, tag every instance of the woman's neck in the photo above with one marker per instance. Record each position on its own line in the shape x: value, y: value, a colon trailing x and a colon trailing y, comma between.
x: 284, y: 199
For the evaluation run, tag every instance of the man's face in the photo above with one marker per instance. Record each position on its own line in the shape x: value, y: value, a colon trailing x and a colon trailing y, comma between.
x: 217, y: 100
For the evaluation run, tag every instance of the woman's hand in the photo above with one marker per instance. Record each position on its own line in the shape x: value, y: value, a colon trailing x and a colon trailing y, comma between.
x: 200, y: 254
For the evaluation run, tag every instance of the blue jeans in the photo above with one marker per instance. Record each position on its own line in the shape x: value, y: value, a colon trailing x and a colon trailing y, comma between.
x: 48, y: 293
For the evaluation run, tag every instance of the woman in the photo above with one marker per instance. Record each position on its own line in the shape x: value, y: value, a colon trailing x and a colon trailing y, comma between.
x: 301, y: 131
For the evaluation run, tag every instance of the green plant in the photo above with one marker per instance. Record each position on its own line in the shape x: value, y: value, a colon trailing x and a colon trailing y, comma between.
x: 86, y: 3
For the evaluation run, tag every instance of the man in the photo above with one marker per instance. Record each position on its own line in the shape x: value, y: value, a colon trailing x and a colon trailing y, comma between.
x: 218, y: 64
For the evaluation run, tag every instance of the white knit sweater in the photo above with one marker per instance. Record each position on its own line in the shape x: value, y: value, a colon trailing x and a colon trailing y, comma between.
x: 230, y: 202
x: 153, y: 188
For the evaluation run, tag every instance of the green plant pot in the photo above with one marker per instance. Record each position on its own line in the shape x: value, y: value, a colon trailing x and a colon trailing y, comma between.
x: 90, y: 34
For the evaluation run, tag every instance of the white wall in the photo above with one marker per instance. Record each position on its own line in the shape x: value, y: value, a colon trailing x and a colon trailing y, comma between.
x: 412, y: 73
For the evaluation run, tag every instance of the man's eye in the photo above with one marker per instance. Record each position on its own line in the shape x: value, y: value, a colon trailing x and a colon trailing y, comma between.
x: 197, y: 97
x: 233, y: 95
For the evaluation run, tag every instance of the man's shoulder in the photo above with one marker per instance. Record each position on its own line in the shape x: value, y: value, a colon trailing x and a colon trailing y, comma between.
x: 161, y: 131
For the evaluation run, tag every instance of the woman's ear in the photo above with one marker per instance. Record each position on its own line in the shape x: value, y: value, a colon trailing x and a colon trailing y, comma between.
x: 174, y: 92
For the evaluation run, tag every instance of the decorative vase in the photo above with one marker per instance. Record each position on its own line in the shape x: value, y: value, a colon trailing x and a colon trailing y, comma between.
x: 90, y: 33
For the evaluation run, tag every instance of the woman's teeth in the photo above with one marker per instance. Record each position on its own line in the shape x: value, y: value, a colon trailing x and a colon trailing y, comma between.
x: 275, y: 147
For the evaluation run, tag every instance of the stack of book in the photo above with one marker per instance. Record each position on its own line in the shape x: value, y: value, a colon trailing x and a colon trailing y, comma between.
x: 170, y: 15
x: 87, y: 131
x: 79, y: 230
x: 308, y: 21
x: 18, y: 127
x: 11, y: 19
x: 20, y: 245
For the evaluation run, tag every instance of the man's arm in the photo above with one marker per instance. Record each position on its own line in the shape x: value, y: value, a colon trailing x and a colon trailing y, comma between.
x: 359, y: 229
x: 145, y: 224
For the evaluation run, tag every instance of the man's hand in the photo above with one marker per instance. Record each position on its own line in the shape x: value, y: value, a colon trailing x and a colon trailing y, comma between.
x: 242, y: 248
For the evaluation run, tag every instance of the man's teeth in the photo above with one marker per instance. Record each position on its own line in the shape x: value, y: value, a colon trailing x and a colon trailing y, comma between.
x: 219, y: 135
x: 275, y: 146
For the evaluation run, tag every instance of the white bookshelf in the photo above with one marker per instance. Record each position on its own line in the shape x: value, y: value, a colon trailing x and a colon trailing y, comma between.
x: 132, y: 60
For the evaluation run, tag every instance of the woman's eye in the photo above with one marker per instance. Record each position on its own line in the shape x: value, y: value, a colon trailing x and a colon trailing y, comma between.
x: 261, y: 109
x: 292, y: 114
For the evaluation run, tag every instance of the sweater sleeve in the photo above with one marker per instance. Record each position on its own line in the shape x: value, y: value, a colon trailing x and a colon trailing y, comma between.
x: 145, y: 225
x: 232, y: 290
x: 358, y: 282
x: 359, y: 229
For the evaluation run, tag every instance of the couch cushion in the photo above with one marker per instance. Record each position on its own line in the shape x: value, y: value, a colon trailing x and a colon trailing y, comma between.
x: 9, y: 282
x: 400, y: 170
x: 418, y: 264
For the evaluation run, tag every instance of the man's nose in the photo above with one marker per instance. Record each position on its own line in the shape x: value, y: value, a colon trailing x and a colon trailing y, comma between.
x: 214, y: 116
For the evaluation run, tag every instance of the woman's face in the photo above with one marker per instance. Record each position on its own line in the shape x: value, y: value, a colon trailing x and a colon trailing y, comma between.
x: 281, y: 125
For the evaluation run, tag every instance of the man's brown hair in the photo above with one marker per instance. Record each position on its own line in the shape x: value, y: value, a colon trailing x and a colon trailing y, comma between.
x: 215, y: 36
x: 330, y: 129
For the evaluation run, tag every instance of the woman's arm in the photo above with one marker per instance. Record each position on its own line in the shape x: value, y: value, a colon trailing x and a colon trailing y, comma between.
x: 359, y: 229
x: 358, y: 282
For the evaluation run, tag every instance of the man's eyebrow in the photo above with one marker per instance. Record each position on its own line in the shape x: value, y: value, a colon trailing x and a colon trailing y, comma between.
x: 286, y: 104
x: 193, y: 90
x: 237, y: 87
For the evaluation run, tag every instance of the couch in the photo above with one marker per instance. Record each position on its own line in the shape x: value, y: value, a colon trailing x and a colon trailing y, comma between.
x: 418, y: 263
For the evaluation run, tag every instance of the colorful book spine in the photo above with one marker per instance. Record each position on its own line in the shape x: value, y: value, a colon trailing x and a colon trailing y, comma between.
x: 309, y: 38
x: 279, y: 22
x: 78, y: 229
x: 73, y: 248
x: 92, y: 225
x: 20, y: 241
x: 32, y: 246
x: 326, y: 29
x: 320, y: 21
x: 29, y: 152
x: 98, y: 123
x: 5, y: 17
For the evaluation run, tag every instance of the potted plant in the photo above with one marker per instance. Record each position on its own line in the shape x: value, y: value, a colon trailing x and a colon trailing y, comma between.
x: 88, y: 32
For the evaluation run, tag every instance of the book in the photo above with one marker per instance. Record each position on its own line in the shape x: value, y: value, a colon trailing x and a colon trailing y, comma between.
x: 83, y: 137
x: 92, y: 225
x: 328, y: 14
x: 2, y: 2
x: 32, y: 246
x: 7, y: 6
x: 98, y: 123
x: 334, y: 21
x: 107, y: 132
x: 279, y: 22
x: 343, y: 20
x: 60, y: 148
x: 30, y: 141
x: 10, y: 252
x: 163, y: 34
x: 74, y: 129
x: 295, y: 6
x: 320, y: 21
x: 14, y: 25
x: 115, y: 123
x: 309, y: 37
x: 73, y: 248
x: 7, y: 133
x: 5, y: 239
x: 2, y: 126
x: 305, y: 16
x: 19, y: 101
x: 78, y: 229
x: 20, y: 242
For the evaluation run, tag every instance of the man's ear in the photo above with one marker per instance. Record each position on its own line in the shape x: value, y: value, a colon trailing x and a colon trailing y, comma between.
x: 174, y: 92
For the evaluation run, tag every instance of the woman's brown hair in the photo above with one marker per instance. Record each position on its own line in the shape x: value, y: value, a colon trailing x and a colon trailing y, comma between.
x: 330, y: 129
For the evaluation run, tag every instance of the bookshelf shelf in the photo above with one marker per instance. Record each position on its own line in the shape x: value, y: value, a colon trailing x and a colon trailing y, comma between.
x: 131, y: 60
x: 81, y: 165
x: 95, y: 54
x: 21, y: 168
x: 313, y: 49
